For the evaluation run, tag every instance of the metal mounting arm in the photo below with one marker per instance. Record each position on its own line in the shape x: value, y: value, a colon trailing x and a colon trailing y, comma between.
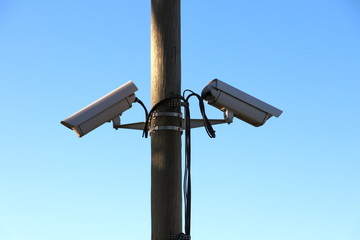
x: 194, y: 123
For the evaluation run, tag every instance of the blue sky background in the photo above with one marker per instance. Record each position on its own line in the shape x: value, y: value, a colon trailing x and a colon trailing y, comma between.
x: 295, y: 178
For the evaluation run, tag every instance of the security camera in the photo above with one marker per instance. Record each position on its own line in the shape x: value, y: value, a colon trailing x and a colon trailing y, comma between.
x: 105, y: 109
x: 242, y: 105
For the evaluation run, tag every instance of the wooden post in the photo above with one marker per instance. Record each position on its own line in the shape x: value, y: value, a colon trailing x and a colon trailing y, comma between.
x: 166, y: 179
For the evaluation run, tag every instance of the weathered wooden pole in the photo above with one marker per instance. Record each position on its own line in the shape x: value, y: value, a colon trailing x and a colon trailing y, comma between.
x: 166, y: 200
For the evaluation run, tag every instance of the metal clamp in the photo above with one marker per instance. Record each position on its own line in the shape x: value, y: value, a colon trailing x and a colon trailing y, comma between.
x: 166, y: 114
x: 156, y: 114
x: 159, y: 128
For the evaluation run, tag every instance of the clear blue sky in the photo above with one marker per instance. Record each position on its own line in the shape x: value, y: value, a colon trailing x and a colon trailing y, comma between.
x: 295, y: 178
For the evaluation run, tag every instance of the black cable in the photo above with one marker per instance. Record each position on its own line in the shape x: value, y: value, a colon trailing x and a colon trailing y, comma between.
x: 187, y: 171
x: 187, y: 90
x: 208, y: 127
x: 143, y: 105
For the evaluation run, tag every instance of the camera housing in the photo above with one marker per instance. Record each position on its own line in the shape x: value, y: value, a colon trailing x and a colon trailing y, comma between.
x: 105, y: 109
x: 244, y: 106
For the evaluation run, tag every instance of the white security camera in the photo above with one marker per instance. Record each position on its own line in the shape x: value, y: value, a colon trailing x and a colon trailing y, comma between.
x: 242, y: 105
x: 109, y: 107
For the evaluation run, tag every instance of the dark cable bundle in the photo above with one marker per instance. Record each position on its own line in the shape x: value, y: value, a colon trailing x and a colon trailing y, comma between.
x: 187, y: 171
x: 210, y: 131
x: 187, y: 175
x: 143, y: 105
